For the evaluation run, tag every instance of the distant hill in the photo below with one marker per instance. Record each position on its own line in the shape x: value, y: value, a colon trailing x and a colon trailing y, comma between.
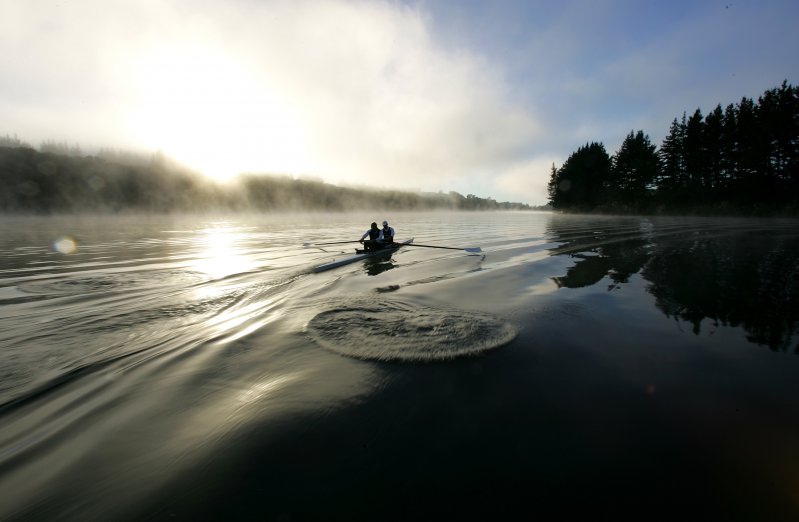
x: 46, y: 182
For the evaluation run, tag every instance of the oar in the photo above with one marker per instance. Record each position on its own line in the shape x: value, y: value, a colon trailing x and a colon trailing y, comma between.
x: 469, y: 249
x: 333, y: 243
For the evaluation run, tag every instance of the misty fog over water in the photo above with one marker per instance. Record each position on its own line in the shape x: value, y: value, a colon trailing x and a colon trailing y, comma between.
x: 154, y: 367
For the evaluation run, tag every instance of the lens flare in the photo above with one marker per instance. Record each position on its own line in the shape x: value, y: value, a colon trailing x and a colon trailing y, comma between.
x: 65, y: 245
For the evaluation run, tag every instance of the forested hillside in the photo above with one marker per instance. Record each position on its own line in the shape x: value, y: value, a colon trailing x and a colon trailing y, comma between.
x: 49, y: 182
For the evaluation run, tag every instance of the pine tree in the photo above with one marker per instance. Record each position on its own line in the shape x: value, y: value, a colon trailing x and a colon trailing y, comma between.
x: 552, y: 186
x: 747, y: 136
x: 730, y: 153
x: 633, y: 172
x: 711, y: 152
x: 672, y: 183
x: 694, y: 157
x: 580, y: 183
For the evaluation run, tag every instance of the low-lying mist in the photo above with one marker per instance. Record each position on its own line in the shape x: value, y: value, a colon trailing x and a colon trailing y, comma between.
x: 44, y: 182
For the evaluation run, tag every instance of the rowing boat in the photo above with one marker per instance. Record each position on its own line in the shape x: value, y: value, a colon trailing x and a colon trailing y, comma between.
x: 361, y: 254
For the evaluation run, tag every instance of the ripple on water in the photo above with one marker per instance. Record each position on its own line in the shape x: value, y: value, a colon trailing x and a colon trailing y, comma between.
x: 74, y: 284
x: 389, y: 330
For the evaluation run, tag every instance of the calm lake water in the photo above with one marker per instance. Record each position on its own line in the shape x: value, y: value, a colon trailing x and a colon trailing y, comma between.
x: 193, y: 367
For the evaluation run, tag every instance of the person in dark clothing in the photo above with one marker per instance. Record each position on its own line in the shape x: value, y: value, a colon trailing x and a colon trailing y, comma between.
x: 375, y: 235
x: 387, y: 234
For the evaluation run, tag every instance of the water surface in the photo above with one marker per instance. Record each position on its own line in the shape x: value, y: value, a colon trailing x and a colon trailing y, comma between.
x: 162, y: 367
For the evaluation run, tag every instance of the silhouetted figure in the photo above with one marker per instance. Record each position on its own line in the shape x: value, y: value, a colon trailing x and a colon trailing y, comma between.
x: 387, y: 234
x: 374, y: 234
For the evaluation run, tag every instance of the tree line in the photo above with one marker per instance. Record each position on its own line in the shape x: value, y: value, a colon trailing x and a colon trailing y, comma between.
x: 740, y: 159
x: 66, y: 181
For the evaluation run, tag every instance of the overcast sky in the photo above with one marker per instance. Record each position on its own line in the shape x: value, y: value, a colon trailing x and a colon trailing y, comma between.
x: 479, y: 97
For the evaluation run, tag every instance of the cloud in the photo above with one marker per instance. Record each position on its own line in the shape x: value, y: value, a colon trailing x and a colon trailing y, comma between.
x: 356, y: 92
x: 383, y: 102
x: 431, y: 95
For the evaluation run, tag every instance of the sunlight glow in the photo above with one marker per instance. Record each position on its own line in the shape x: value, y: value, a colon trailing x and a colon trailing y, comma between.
x: 202, y: 108
x: 218, y: 256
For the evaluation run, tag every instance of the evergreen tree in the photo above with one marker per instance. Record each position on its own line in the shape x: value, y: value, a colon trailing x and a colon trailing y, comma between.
x: 747, y: 137
x: 580, y: 183
x: 633, y: 172
x: 778, y: 115
x: 730, y: 153
x: 791, y: 103
x: 694, y: 158
x: 711, y: 152
x: 745, y: 156
x: 672, y: 183
x: 552, y: 186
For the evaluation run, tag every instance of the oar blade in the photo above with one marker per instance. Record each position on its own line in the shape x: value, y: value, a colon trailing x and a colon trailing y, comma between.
x: 475, y: 250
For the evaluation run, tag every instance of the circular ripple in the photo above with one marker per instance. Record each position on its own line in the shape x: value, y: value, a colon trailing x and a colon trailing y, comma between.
x: 395, y: 331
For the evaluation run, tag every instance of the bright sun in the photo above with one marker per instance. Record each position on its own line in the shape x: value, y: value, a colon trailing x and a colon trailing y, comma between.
x: 203, y: 109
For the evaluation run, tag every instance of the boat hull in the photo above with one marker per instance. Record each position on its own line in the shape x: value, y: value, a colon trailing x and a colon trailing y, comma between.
x: 360, y: 256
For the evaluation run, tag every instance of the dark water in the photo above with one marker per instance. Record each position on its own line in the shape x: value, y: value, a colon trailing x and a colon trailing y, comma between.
x: 162, y: 368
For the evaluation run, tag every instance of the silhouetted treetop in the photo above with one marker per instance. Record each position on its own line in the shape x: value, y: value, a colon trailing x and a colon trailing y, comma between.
x: 743, y: 158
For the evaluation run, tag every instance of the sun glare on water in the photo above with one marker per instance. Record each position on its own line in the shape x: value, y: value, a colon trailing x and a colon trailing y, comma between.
x: 208, y: 112
x: 219, y: 254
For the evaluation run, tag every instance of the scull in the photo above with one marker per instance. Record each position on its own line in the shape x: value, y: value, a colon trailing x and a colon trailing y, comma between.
x: 361, y: 254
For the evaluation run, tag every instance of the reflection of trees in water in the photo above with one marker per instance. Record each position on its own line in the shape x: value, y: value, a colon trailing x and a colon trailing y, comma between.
x: 748, y: 279
x: 732, y: 276
x: 614, y: 251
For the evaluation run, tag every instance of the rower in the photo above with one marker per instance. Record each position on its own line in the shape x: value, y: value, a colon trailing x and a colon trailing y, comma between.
x: 387, y: 233
x: 375, y: 234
